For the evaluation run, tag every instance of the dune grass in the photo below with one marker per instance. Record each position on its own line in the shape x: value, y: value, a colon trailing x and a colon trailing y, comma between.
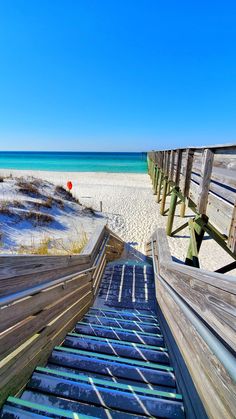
x: 51, y: 246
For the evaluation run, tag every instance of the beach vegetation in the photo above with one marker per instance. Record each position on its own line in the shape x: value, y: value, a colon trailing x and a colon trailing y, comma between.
x: 51, y: 246
x: 66, y: 194
x: 17, y: 204
x: 59, y: 202
x: 5, y: 208
x: 27, y: 187
x: 40, y: 248
x: 89, y: 210
x: 46, y: 203
x: 38, y: 217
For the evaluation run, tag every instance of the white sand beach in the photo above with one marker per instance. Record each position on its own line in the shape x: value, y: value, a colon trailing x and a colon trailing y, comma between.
x: 130, y: 208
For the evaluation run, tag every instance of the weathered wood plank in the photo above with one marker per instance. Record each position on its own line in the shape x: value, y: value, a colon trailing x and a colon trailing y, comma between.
x: 30, y: 304
x: 219, y: 213
x: 16, y: 369
x: 214, y: 305
x: 13, y: 265
x: 15, y: 284
x: 16, y: 335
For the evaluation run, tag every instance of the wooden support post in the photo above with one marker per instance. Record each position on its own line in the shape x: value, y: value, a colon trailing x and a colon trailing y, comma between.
x: 171, y: 214
x: 150, y: 172
x: 196, y: 236
x: 153, y: 176
x: 182, y: 208
x: 151, y: 168
x: 192, y: 255
x: 172, y: 162
x: 153, y: 171
x: 168, y: 188
x: 205, y: 181
x: 187, y: 179
x: 159, y: 186
x: 178, y: 166
x: 163, y: 199
x: 156, y: 180
x: 166, y: 165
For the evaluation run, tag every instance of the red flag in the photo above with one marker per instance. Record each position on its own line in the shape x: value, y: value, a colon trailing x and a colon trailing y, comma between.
x: 69, y: 185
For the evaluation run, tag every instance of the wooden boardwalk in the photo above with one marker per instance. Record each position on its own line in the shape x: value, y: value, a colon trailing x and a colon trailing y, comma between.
x: 97, y: 336
x: 204, y: 180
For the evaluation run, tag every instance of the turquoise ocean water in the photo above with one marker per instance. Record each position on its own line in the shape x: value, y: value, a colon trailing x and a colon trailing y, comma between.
x: 74, y: 161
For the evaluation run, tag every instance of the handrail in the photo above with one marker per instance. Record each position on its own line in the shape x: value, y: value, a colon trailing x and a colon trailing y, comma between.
x: 223, y: 354
x: 34, y: 290
x: 37, y: 317
x: 202, y: 318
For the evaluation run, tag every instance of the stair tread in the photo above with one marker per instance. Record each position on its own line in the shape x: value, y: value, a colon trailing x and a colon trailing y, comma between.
x: 123, y: 360
x: 118, y: 328
x: 77, y: 406
x: 103, y: 382
x: 120, y: 342
x: 112, y: 348
x: 45, y: 409
x: 107, y: 397
x: 115, y: 379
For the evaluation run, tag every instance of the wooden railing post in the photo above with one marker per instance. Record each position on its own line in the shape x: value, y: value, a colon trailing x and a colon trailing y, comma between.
x: 187, y: 179
x: 165, y: 182
x: 156, y: 179
x: 206, y: 170
x: 159, y: 185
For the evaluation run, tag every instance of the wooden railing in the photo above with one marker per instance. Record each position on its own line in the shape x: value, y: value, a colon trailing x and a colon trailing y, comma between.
x: 204, y: 179
x: 41, y: 298
x: 200, y: 310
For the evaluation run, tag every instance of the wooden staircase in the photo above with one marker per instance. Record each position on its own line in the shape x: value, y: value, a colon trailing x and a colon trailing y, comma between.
x: 114, y: 364
x: 149, y: 340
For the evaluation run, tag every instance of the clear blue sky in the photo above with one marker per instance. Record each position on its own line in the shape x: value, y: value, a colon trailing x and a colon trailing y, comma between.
x: 117, y: 74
